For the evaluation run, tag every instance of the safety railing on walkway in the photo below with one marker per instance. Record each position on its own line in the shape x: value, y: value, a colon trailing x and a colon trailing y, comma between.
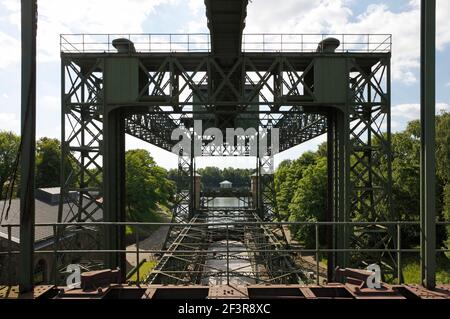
x: 200, y: 42
x: 352, y: 43
x: 317, y: 227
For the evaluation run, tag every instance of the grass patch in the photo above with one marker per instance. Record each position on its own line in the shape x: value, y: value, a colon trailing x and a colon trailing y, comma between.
x: 145, y: 268
x: 411, y: 271
x: 159, y: 216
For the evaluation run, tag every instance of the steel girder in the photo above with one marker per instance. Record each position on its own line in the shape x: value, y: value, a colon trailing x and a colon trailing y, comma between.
x: 428, y: 144
x: 179, y: 266
x: 280, y: 84
x: 226, y: 22
x: 362, y: 164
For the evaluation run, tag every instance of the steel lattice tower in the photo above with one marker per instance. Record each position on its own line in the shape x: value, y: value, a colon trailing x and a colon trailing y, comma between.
x: 304, y: 92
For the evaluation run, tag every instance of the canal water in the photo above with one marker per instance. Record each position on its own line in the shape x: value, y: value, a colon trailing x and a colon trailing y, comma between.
x: 223, y: 202
x: 219, y: 262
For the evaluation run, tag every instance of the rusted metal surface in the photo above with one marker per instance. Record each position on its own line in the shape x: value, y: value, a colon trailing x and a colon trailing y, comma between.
x: 385, y: 292
x: 440, y: 292
x: 77, y: 293
x: 356, y: 283
x: 9, y: 292
x: 92, y: 280
x: 228, y: 292
x: 334, y: 291
x: 344, y: 275
x: 12, y: 292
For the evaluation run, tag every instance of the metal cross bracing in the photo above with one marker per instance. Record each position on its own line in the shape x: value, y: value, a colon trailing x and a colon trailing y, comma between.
x: 262, y: 263
x: 105, y: 94
x: 303, y: 94
x: 280, y: 86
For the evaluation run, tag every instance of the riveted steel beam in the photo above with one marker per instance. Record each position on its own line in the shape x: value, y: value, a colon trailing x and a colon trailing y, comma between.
x: 428, y: 144
x: 28, y: 144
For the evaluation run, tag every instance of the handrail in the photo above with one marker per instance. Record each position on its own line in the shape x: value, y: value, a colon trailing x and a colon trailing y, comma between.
x: 291, y: 249
x: 200, y: 42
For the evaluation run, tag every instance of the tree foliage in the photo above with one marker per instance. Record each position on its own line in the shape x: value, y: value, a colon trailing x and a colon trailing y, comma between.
x: 48, y: 162
x: 147, y: 186
x: 301, y: 184
x: 9, y: 145
x: 212, y: 176
x: 309, y: 201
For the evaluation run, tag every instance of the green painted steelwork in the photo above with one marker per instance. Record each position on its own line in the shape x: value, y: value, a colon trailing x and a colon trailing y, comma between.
x: 147, y: 94
x: 28, y: 144
x: 330, y: 75
x: 121, y: 78
x: 360, y: 121
x: 303, y: 94
x: 428, y: 144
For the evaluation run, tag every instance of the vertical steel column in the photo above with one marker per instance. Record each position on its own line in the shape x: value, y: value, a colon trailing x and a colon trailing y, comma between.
x: 114, y: 180
x: 343, y: 192
x: 192, y: 177
x: 28, y: 144
x: 259, y: 190
x: 428, y: 160
x: 330, y: 191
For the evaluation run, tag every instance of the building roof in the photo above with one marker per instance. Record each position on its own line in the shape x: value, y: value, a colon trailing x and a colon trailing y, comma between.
x: 45, y: 213
x: 225, y: 182
x: 51, y: 190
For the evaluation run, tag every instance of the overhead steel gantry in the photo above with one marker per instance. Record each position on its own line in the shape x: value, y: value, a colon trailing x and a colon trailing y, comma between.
x: 148, y: 93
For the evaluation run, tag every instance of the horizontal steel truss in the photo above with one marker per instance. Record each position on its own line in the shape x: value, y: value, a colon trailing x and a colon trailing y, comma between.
x: 362, y: 183
x: 192, y: 268
x: 277, y: 83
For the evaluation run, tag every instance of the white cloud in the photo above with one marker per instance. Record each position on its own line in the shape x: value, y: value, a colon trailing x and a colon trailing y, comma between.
x: 290, y: 16
x: 9, y: 122
x: 196, y: 6
x: 442, y: 107
x: 448, y: 84
x: 13, y: 47
x: 287, y: 16
x: 49, y: 103
x: 336, y: 16
x: 443, y: 24
x: 83, y: 16
x: 412, y: 111
x: 404, y: 113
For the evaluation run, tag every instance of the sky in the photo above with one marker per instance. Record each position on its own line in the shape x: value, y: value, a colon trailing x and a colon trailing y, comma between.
x: 400, y: 18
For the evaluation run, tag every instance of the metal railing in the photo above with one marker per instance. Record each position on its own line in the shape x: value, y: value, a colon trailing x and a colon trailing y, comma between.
x: 156, y: 43
x: 398, y: 251
x: 200, y: 42
x: 352, y: 43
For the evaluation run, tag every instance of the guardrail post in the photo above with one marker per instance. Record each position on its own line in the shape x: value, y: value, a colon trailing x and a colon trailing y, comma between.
x: 317, y: 254
x: 228, y: 259
x: 399, y: 254
x: 138, y: 280
x: 55, y: 255
x: 9, y: 256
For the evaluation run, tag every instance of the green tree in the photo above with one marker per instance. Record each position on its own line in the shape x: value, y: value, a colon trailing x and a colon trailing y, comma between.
x: 211, y: 176
x: 286, y: 179
x: 147, y: 186
x: 48, y: 159
x: 443, y: 167
x: 309, y: 202
x: 9, y: 145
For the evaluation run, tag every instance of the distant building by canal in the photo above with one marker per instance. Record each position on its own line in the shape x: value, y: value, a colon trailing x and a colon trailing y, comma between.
x: 226, y: 184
